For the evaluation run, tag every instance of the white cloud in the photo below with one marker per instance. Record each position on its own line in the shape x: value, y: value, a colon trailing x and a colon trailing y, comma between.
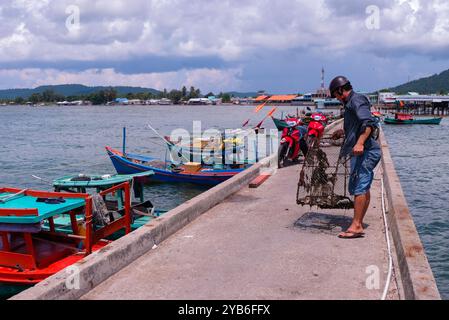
x: 228, y: 29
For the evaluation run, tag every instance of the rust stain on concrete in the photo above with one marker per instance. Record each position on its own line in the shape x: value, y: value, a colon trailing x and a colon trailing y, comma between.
x: 413, y: 250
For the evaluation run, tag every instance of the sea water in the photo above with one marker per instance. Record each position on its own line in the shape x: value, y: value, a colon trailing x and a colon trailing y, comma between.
x: 421, y: 156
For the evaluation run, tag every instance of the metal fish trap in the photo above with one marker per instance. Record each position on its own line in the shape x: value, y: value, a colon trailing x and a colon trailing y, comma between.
x: 323, y: 179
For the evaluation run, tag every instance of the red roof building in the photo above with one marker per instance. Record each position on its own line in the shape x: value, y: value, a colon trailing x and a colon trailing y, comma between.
x: 282, y: 98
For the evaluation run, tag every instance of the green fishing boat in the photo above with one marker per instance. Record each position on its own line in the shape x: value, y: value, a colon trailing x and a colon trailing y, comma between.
x: 402, y: 118
x: 80, y: 183
x: 142, y: 210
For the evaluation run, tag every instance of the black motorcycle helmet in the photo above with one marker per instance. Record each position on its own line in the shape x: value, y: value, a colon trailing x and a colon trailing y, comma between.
x: 337, y: 83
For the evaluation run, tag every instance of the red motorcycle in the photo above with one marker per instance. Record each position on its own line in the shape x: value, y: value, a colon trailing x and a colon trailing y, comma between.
x: 315, y: 129
x: 293, y: 141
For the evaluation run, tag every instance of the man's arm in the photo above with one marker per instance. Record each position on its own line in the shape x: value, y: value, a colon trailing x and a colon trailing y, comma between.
x: 360, y: 145
x: 364, y: 115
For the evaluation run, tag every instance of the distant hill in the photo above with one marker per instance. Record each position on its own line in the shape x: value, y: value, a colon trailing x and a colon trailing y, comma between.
x: 79, y: 89
x: 438, y: 83
x: 71, y: 90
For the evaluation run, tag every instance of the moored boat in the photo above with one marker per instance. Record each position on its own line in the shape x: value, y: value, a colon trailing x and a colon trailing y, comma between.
x: 208, y: 150
x: 80, y: 183
x: 402, y: 118
x: 29, y: 253
x: 189, y: 172
x: 142, y: 211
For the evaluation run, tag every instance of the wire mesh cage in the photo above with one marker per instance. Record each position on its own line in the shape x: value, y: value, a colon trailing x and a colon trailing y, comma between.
x: 324, y: 177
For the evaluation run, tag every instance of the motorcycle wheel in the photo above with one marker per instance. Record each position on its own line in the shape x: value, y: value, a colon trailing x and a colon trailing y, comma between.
x: 311, y: 142
x: 282, y: 155
x: 304, y: 147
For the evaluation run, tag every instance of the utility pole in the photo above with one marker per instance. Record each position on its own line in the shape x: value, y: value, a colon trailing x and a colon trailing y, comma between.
x: 322, y: 79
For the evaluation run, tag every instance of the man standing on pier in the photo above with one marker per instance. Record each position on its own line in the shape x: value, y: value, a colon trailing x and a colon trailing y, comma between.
x: 360, y: 145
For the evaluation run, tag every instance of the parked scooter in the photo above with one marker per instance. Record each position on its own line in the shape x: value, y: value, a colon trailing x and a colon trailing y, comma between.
x: 315, y: 129
x: 293, y: 142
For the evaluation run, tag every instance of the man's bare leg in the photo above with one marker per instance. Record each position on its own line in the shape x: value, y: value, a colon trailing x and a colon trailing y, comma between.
x: 361, y: 204
x: 368, y: 199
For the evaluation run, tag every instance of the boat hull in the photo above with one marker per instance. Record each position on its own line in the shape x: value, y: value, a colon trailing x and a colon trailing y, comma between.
x: 210, y: 177
x: 435, y: 121
x: 14, y: 276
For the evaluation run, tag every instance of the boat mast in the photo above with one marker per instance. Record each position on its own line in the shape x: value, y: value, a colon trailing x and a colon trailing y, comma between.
x: 124, y: 141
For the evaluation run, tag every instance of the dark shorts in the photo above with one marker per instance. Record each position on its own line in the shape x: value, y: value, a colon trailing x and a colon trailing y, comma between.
x: 362, y: 171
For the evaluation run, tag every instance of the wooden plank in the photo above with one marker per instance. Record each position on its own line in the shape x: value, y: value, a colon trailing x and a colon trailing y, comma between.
x: 73, y: 222
x: 11, y: 259
x: 5, y: 241
x: 109, y: 229
x: 18, y: 212
x: 89, y: 227
x: 13, y: 196
x: 127, y: 208
x: 51, y: 222
x: 46, y: 194
x: 259, y: 180
x: 30, y: 247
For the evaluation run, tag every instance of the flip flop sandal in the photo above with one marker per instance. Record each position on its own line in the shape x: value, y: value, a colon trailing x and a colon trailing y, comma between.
x: 353, y: 235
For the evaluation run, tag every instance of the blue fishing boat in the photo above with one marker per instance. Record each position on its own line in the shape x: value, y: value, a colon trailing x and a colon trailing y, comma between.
x: 163, y: 172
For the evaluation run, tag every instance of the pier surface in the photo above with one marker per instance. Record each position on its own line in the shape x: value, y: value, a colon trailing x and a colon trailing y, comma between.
x: 248, y: 247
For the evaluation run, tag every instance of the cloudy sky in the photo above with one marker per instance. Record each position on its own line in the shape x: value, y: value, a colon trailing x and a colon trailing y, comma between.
x: 221, y: 45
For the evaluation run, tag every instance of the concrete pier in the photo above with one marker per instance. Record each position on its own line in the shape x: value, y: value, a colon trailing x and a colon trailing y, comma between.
x: 236, y: 242
x: 247, y: 247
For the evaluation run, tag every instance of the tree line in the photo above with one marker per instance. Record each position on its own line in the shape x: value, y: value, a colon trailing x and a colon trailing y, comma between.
x: 108, y: 95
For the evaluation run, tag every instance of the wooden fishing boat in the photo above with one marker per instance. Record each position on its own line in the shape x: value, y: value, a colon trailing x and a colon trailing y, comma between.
x: 188, y: 172
x: 402, y: 118
x: 142, y: 211
x: 207, y: 155
x: 207, y: 150
x: 81, y: 183
x: 28, y: 253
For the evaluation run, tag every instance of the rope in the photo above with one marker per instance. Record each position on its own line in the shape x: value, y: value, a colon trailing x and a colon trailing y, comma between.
x: 387, y: 237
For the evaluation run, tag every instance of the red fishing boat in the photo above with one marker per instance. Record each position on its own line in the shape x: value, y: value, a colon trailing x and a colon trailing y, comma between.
x: 30, y: 253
